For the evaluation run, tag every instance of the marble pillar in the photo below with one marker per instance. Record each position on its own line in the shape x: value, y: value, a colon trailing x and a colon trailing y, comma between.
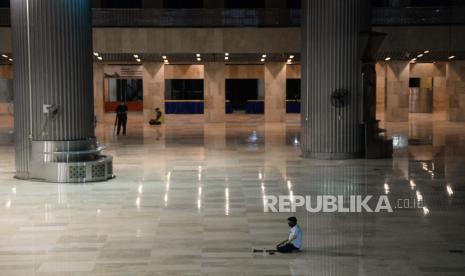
x: 214, y: 92
x: 275, y: 92
x: 456, y: 91
x: 332, y: 94
x: 99, y: 97
x: 380, y: 89
x: 153, y: 83
x: 396, y: 102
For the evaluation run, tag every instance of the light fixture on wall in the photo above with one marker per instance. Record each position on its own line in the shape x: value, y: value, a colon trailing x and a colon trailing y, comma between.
x: 10, y: 59
x: 426, y: 52
x: 451, y: 57
x: 226, y: 54
x: 5, y: 56
x: 226, y: 58
x: 136, y: 56
x: 197, y: 55
x: 291, y: 56
x: 99, y: 58
x: 264, y: 56
x: 387, y: 59
x: 420, y: 55
x: 164, y: 57
x: 96, y: 54
x: 138, y: 60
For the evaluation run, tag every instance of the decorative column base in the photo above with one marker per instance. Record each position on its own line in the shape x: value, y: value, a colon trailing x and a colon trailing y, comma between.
x: 68, y: 162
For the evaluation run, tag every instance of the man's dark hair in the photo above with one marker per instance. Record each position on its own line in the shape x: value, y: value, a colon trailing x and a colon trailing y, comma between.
x: 292, y: 219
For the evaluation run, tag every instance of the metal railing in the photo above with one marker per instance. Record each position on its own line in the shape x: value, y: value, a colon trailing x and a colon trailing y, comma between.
x: 418, y: 16
x: 254, y: 17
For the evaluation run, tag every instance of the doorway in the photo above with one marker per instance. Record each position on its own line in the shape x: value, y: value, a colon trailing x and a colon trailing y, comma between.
x: 245, y: 95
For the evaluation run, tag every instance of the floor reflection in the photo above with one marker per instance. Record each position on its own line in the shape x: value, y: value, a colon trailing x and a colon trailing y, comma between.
x: 189, y: 199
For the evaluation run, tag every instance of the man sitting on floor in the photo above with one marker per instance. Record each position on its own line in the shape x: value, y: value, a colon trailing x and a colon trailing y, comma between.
x: 159, y: 119
x: 294, y: 242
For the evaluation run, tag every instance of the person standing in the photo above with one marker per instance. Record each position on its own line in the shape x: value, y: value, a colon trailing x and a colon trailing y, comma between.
x: 294, y: 242
x: 121, y: 117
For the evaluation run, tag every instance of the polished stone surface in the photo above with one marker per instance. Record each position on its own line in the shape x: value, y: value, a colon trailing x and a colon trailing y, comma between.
x: 188, y: 200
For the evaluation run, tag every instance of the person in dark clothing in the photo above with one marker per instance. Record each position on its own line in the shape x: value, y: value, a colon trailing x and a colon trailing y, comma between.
x: 121, y: 118
x: 294, y: 241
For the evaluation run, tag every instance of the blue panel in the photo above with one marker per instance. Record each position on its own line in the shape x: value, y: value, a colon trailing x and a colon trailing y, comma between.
x: 293, y: 107
x: 229, y: 108
x: 255, y: 107
x: 187, y: 107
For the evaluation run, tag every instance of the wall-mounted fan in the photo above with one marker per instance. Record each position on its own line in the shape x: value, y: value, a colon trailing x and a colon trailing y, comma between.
x: 340, y: 98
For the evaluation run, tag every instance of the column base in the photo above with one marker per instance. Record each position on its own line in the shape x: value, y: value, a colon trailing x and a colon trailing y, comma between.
x: 332, y: 155
x: 68, y: 162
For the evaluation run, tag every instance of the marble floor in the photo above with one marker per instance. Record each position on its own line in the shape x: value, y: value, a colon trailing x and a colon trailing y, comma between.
x: 188, y: 200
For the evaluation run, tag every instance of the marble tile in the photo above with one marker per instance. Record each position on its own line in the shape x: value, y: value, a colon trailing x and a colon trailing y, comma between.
x: 183, y: 206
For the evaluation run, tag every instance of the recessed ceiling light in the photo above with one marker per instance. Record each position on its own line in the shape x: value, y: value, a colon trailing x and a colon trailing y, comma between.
x: 420, y: 55
x: 136, y: 56
x: 95, y: 54
x: 387, y: 59
x: 5, y: 56
x: 99, y: 58
x: 226, y: 54
x: 426, y: 52
x: 262, y: 60
x: 263, y: 56
x: 138, y: 60
x: 197, y: 55
x: 451, y: 57
x: 199, y: 59
x: 10, y: 59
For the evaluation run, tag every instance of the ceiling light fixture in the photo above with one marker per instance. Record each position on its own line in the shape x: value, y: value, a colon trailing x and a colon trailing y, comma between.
x: 164, y: 57
x: 197, y: 55
x: 99, y: 58
x: 136, y: 56
x: 263, y: 56
x: 226, y: 54
x: 226, y: 58
x: 262, y: 60
x: 10, y: 59
x: 138, y: 60
x: 387, y: 59
x: 426, y: 52
x: 95, y: 54
x: 420, y: 55
x: 5, y: 56
x: 451, y: 57
x: 199, y: 59
x: 291, y: 56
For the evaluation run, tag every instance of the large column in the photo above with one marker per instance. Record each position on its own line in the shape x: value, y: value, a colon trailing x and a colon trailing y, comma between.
x: 154, y: 89
x: 215, y: 95
x: 54, y: 109
x: 99, y: 101
x: 331, y: 77
x: 456, y: 91
x: 396, y: 103
x: 275, y: 92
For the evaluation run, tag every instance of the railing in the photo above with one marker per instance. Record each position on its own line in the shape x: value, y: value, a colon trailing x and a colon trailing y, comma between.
x: 254, y: 17
x: 418, y: 16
